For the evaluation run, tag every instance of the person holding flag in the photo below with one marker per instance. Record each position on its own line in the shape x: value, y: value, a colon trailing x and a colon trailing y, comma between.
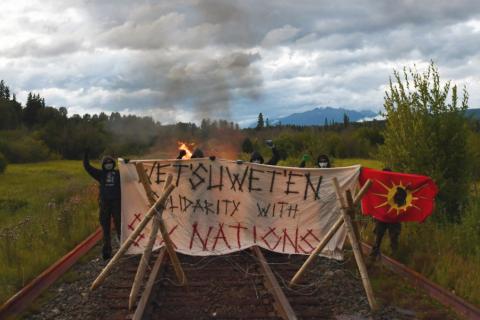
x: 394, y: 198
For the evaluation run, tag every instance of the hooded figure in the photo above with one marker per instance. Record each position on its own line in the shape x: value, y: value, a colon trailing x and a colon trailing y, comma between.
x: 256, y: 157
x: 109, y: 198
x: 275, y: 157
x: 197, y: 153
x: 393, y: 229
x: 275, y: 154
x: 323, y: 161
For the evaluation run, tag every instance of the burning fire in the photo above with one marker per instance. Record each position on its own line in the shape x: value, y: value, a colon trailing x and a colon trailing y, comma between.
x: 183, y: 146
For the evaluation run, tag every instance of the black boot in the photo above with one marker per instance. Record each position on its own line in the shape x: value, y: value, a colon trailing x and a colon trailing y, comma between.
x: 106, y: 252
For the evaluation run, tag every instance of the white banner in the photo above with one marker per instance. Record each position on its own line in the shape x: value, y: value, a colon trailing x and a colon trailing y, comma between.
x: 222, y: 206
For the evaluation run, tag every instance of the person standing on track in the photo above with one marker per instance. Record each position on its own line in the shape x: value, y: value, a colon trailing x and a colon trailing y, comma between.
x: 380, y: 229
x: 109, y: 198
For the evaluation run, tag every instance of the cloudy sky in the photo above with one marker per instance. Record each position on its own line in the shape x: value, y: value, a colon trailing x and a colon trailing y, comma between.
x: 187, y: 59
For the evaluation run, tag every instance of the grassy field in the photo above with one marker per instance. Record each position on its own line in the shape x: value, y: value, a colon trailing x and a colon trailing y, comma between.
x: 45, y: 210
x: 448, y: 254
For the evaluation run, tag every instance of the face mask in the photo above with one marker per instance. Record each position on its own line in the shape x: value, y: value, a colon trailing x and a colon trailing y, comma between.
x: 323, y: 164
x: 108, y: 166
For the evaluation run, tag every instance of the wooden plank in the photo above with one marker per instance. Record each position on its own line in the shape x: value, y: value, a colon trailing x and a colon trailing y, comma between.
x: 284, y: 307
x: 333, y: 230
x: 149, y: 285
x: 351, y: 211
x: 182, y: 279
x: 362, y: 192
x: 139, y: 276
x: 356, y: 247
x: 143, y: 179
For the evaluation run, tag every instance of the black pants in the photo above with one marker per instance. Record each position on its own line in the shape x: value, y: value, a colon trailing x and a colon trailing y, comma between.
x: 393, y: 229
x: 109, y: 208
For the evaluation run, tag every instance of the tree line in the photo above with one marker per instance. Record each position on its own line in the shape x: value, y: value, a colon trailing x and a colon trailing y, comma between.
x: 37, y: 132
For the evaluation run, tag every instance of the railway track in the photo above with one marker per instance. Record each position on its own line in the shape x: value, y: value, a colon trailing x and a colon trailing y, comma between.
x: 235, y: 286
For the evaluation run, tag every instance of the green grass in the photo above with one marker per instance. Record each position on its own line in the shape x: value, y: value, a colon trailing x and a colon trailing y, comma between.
x: 45, y: 210
x: 369, y: 163
x: 448, y: 254
x: 294, y: 162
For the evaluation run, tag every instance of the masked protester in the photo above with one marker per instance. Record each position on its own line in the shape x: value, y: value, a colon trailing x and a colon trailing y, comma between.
x: 381, y: 227
x: 275, y: 154
x: 109, y: 198
x: 323, y: 161
x: 197, y: 153
x: 256, y: 157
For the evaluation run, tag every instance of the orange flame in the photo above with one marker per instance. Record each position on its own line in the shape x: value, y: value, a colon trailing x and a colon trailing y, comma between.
x: 183, y: 146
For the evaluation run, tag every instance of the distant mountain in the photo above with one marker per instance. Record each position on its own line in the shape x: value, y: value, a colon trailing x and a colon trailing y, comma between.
x: 318, y: 116
x: 473, y: 113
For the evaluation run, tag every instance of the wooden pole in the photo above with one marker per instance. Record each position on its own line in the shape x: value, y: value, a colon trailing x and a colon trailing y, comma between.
x: 138, y: 315
x: 362, y: 192
x: 317, y: 251
x: 143, y: 179
x: 182, y: 279
x: 163, y: 230
x: 284, y: 307
x: 151, y: 241
x: 351, y: 211
x: 328, y: 236
x: 356, y: 247
x: 126, y: 245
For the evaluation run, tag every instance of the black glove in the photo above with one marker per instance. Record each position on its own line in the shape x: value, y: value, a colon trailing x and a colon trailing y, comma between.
x: 181, y: 154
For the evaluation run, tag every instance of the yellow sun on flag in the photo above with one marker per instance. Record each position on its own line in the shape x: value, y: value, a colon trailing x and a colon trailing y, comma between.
x: 398, y: 197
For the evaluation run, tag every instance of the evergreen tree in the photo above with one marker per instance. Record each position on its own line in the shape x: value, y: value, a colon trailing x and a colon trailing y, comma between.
x: 346, y: 120
x: 2, y: 90
x: 260, y: 123
x: 33, y: 109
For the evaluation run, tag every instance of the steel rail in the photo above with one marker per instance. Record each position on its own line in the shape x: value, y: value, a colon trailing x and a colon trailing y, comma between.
x: 21, y: 300
x: 416, y: 279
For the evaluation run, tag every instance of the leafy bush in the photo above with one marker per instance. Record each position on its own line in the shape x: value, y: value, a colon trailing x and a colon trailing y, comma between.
x: 428, y: 134
x: 3, y: 163
x: 19, y: 147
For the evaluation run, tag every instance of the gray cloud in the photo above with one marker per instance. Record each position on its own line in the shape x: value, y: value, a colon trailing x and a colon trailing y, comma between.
x: 186, y: 59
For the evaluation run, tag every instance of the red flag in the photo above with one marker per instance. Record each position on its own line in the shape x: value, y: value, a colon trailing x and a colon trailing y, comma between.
x: 397, y: 197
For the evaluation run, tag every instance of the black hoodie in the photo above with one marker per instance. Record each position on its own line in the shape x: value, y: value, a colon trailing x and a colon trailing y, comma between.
x: 109, y: 179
